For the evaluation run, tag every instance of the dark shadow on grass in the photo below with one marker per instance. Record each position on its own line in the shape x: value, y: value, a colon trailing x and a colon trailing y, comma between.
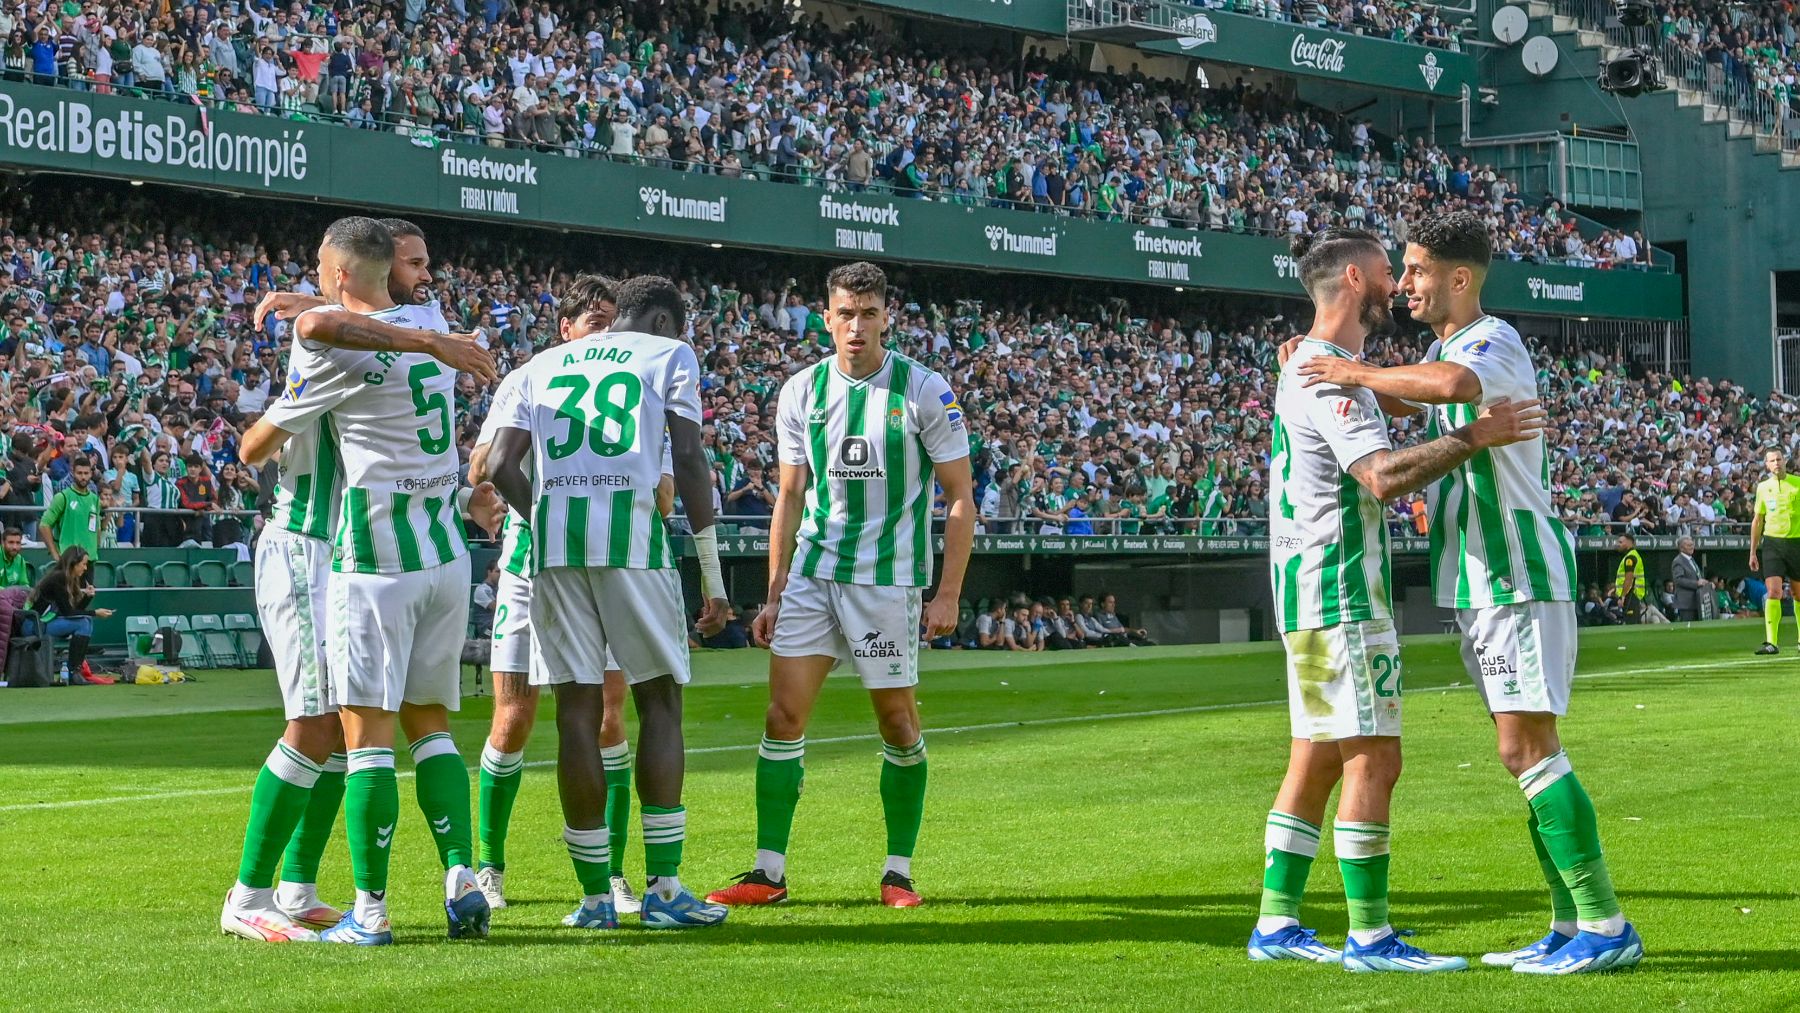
x: 1209, y: 920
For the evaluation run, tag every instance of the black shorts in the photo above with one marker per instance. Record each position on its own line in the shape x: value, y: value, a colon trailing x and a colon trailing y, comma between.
x: 1780, y: 557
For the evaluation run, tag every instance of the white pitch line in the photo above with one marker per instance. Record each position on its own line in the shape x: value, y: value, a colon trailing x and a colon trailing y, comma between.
x: 986, y: 727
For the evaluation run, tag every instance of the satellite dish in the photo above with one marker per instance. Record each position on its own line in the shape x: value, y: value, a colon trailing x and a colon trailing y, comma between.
x: 1510, y: 24
x: 1540, y: 55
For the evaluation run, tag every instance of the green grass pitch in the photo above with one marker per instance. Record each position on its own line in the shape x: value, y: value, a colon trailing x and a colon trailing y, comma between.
x: 1092, y: 839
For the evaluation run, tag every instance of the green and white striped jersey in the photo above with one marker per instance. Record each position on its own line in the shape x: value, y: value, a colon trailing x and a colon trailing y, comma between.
x: 391, y: 427
x: 1328, y: 544
x: 870, y: 445
x: 515, y: 530
x: 1495, y: 538
x: 596, y: 407
x: 307, y: 486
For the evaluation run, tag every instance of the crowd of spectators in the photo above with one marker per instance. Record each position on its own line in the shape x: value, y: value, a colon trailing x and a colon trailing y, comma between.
x: 1023, y: 623
x: 1752, y: 50
x: 736, y: 90
x: 126, y: 335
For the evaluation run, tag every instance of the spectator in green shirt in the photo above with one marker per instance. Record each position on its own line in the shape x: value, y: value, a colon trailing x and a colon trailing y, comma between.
x: 14, y: 571
x: 73, y: 518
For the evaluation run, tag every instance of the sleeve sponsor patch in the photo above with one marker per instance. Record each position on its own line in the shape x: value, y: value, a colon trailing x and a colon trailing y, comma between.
x: 952, y: 409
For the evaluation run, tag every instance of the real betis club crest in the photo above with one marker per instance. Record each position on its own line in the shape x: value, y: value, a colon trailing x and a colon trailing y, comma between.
x: 1431, y: 70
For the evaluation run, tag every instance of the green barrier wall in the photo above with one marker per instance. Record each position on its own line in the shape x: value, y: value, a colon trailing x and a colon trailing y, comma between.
x: 57, y: 129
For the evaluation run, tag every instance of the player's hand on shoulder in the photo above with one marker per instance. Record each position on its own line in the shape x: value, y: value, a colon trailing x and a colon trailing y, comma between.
x: 712, y: 617
x: 463, y: 353
x: 1507, y: 421
x: 285, y: 305
x: 1287, y: 349
x: 1329, y: 369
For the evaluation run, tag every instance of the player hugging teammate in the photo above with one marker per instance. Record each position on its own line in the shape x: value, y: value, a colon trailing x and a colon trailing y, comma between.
x: 1500, y: 557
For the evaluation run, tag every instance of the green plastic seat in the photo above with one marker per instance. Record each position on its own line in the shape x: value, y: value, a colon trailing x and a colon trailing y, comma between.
x: 134, y: 573
x: 175, y: 574
x: 139, y: 630
x: 221, y: 649
x: 248, y: 636
x: 211, y: 573
x: 101, y: 573
x: 243, y: 573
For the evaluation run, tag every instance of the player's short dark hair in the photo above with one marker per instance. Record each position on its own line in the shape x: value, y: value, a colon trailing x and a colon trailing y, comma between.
x: 398, y: 227
x: 365, y: 239
x: 1460, y: 237
x: 637, y: 296
x: 1628, y: 536
x: 1322, y: 255
x: 583, y: 294
x: 857, y: 279
x: 11, y: 531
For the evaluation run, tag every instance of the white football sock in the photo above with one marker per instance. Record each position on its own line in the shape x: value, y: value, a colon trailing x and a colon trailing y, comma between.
x: 665, y: 887
x: 1566, y: 928
x: 1274, y: 923
x: 460, y: 879
x: 250, y: 898
x: 1367, y: 937
x: 901, y: 864
x: 1604, y: 926
x: 772, y: 864
x: 371, y: 910
x: 297, y: 896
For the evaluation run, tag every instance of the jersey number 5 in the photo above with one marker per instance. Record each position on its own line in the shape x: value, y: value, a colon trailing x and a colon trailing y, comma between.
x: 426, y: 405
x: 621, y: 413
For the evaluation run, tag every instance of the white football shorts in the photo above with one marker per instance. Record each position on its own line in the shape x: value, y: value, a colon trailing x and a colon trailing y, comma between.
x: 512, y: 647
x: 397, y: 637
x: 588, y: 619
x: 1344, y: 681
x: 292, y: 572
x: 874, y: 628
x: 1521, y: 657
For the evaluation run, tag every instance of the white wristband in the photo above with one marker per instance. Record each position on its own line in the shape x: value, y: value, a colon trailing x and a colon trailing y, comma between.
x: 712, y: 578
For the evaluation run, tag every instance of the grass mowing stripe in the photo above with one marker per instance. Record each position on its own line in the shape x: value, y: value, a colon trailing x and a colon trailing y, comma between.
x: 957, y: 730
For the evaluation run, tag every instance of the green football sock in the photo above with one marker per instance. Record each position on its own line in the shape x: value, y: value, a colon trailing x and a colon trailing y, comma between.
x: 307, y: 846
x: 1771, y: 618
x: 664, y: 832
x: 442, y: 784
x: 371, y: 808
x: 780, y: 772
x: 499, y: 786
x: 1562, y: 902
x: 903, y: 776
x: 1362, y: 852
x: 617, y: 760
x: 276, y: 805
x: 1290, y: 845
x: 589, y: 850
x: 1571, y: 836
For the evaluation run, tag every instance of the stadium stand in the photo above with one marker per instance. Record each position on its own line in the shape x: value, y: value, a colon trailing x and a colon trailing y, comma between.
x: 1095, y: 417
x: 748, y: 93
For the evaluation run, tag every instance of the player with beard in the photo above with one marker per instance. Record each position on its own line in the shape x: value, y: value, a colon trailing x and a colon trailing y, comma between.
x: 301, y: 786
x: 1333, y: 468
x: 409, y: 284
x: 1510, y: 576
